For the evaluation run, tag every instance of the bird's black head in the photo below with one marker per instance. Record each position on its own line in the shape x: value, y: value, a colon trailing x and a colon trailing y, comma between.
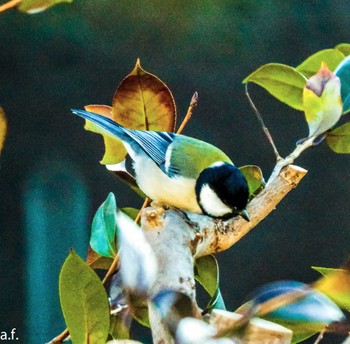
x: 222, y: 191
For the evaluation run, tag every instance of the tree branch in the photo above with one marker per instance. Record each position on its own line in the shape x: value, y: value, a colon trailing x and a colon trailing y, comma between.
x: 218, y: 235
x: 257, y: 330
x: 178, y: 238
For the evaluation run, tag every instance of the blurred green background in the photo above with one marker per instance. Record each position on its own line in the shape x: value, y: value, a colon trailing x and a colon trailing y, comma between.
x: 51, y: 182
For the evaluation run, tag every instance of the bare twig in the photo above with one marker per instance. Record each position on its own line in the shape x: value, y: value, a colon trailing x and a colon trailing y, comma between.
x: 10, y: 4
x: 193, y: 104
x: 319, y: 338
x: 60, y: 338
x: 266, y: 130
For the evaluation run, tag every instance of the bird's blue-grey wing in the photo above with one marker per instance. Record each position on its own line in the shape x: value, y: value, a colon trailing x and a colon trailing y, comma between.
x: 154, y: 144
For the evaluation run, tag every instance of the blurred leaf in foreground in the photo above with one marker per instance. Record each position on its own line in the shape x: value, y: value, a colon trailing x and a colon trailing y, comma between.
x: 3, y: 128
x: 37, y: 6
x: 294, y: 305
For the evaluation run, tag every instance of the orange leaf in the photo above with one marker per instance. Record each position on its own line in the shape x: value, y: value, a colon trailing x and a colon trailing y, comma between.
x: 142, y: 101
x: 3, y: 128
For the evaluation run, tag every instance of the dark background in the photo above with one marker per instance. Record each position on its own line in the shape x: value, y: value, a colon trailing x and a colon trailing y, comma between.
x: 51, y: 182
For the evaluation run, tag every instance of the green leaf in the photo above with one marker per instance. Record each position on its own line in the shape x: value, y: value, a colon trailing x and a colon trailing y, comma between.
x: 3, y: 128
x: 344, y: 48
x: 343, y: 73
x: 84, y: 302
x: 36, y: 6
x: 283, y: 82
x: 103, y: 238
x: 325, y: 271
x: 339, y: 139
x: 131, y: 212
x: 255, y: 179
x: 119, y: 327
x: 207, y: 274
x: 140, y: 314
x: 331, y: 57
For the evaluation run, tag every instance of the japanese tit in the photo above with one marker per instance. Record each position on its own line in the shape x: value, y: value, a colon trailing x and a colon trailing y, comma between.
x: 181, y: 171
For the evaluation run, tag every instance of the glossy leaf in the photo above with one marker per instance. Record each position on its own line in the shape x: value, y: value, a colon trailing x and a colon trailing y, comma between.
x: 138, y: 265
x: 144, y: 102
x: 322, y: 101
x: 339, y: 139
x: 3, y: 128
x: 207, y: 274
x: 255, y: 179
x: 335, y: 283
x: 343, y: 73
x: 331, y: 57
x: 103, y: 238
x: 114, y: 148
x: 344, y: 48
x: 36, y: 6
x: 84, y: 302
x: 283, y: 82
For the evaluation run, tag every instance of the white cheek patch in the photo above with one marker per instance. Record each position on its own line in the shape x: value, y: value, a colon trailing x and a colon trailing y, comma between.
x: 211, y: 203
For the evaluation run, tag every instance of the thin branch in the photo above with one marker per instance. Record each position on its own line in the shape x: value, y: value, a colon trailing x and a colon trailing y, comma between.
x: 193, y: 104
x: 319, y: 338
x: 144, y: 205
x: 60, y: 338
x: 266, y: 130
x: 10, y: 4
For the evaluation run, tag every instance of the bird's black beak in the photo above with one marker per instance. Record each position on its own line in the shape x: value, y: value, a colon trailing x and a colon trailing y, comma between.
x: 244, y: 213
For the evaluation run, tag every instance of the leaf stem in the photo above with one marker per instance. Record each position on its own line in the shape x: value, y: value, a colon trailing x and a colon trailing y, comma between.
x: 60, y: 338
x: 144, y: 205
x: 266, y: 130
x: 10, y: 4
x: 188, y: 116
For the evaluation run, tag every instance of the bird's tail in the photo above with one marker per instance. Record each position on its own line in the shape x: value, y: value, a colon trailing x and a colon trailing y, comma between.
x: 112, y: 128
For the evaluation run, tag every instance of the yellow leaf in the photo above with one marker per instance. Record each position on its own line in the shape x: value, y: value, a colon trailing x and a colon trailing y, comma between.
x: 3, y: 128
x: 114, y: 149
x: 142, y: 101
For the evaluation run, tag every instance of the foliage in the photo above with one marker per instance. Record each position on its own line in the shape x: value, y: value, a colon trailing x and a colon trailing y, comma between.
x: 31, y: 6
x: 143, y: 101
x: 3, y: 128
x: 84, y: 302
x: 319, y: 86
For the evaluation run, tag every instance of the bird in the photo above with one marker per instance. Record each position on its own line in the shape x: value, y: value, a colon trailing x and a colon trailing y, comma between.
x: 181, y: 171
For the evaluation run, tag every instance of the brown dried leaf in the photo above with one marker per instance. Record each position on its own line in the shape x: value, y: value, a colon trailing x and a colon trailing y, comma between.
x: 142, y: 101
